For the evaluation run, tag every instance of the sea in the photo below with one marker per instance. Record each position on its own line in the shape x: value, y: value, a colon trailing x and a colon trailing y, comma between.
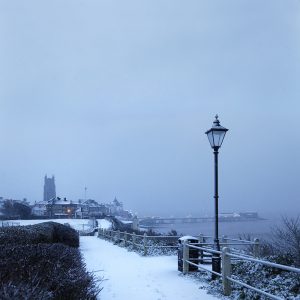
x: 261, y: 229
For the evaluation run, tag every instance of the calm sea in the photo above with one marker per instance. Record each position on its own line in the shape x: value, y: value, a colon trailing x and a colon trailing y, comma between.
x: 256, y: 229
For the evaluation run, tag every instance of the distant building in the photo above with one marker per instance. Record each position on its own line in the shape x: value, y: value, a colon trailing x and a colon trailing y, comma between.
x: 39, y: 209
x: 49, y: 188
x: 61, y: 208
x: 90, y: 208
x: 116, y: 209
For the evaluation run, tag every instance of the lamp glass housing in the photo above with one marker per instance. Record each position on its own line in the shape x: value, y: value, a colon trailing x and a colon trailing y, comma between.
x: 216, y: 134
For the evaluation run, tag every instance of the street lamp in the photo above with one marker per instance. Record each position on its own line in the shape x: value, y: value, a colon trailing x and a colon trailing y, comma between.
x: 216, y: 136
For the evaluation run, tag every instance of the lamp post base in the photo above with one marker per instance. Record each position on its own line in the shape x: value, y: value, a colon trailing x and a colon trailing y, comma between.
x: 216, y: 265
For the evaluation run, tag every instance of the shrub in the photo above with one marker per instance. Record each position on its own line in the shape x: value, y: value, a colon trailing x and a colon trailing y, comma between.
x: 65, y: 234
x: 43, y: 262
x: 24, y: 291
x: 55, y: 271
x: 286, y: 238
x: 275, y: 281
x: 48, y: 232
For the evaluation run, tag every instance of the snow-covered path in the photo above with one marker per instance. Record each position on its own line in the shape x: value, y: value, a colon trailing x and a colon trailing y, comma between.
x: 130, y: 276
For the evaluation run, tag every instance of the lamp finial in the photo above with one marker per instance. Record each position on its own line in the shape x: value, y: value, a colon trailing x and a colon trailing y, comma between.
x: 216, y: 121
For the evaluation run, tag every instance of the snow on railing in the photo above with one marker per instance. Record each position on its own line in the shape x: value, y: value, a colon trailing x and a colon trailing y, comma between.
x: 143, y: 242
x: 226, y: 262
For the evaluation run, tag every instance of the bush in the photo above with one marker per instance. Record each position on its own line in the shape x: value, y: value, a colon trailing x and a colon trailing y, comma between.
x: 54, y: 271
x: 24, y: 291
x: 286, y: 239
x: 48, y: 232
x: 272, y: 280
x: 65, y: 234
x: 43, y: 262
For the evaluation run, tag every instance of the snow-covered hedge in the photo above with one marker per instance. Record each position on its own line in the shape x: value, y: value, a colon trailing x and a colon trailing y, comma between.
x: 48, y: 232
x: 44, y: 271
x: 281, y: 283
x: 43, y: 262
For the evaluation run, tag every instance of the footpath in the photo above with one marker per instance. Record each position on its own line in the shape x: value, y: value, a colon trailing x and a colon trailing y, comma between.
x: 127, y: 275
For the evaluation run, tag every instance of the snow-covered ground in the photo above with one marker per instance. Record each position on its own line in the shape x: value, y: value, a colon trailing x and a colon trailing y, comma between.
x: 78, y: 224
x: 128, y: 275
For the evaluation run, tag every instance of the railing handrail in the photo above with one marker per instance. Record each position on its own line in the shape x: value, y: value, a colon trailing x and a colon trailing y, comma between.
x: 228, y: 239
x: 210, y: 250
x: 265, y: 262
x: 238, y: 240
x: 9, y: 223
x: 254, y: 288
x: 242, y: 242
x: 148, y: 236
x: 224, y: 244
x: 137, y: 240
x: 247, y: 257
x: 226, y: 267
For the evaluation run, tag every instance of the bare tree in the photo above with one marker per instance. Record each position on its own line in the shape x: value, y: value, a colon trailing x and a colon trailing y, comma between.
x: 286, y: 238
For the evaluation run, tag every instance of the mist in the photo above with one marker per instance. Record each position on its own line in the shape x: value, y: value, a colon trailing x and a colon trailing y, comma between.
x: 116, y: 96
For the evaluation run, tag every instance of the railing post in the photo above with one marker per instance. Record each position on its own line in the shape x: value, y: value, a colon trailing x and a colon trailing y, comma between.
x: 201, y: 240
x: 125, y: 238
x: 256, y: 247
x: 226, y: 271
x: 116, y: 236
x: 133, y: 240
x: 185, y: 257
x: 145, y: 243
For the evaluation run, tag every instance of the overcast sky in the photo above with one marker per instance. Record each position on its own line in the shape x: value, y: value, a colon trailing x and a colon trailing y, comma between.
x: 116, y: 96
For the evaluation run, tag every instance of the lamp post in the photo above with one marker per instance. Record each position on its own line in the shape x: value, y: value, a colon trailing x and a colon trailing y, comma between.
x: 216, y: 136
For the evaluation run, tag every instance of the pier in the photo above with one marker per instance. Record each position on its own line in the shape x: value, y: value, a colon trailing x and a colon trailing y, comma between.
x: 225, y: 217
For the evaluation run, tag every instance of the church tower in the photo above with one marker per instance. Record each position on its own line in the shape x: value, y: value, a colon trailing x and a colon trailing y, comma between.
x: 49, y: 188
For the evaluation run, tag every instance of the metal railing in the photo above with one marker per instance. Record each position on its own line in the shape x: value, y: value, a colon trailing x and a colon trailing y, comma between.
x: 87, y: 229
x: 145, y: 241
x: 9, y: 223
x: 138, y: 241
x: 227, y: 258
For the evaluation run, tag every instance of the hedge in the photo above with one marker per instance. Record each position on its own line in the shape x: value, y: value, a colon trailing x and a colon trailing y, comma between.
x: 43, y: 262
x: 47, y: 232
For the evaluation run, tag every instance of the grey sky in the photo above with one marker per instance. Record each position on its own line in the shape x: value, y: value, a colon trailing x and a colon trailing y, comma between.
x: 117, y: 95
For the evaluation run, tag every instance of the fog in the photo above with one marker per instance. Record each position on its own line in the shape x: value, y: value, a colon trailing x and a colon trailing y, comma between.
x: 116, y: 96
